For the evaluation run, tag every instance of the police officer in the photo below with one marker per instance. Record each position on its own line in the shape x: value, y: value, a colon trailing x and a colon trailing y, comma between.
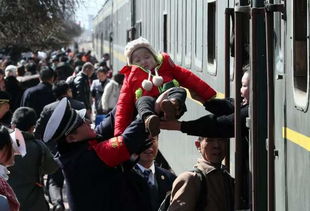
x: 93, y: 167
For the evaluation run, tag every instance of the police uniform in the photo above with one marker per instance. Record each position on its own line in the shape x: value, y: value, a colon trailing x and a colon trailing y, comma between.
x: 93, y: 168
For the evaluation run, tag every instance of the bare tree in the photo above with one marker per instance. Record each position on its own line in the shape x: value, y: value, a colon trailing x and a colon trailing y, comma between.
x: 37, y: 24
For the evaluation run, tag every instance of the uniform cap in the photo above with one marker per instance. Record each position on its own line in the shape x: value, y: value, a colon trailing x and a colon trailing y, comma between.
x: 63, y: 121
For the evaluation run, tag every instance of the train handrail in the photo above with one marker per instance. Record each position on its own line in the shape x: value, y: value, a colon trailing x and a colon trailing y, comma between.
x: 269, y: 19
x: 228, y: 14
x: 239, y: 13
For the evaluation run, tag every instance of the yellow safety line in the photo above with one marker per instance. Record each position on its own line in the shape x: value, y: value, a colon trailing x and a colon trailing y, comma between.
x: 297, y: 138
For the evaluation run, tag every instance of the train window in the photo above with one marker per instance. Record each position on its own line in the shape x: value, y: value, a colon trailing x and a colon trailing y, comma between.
x: 188, y: 33
x: 278, y: 44
x: 173, y: 24
x: 179, y: 30
x: 211, y: 39
x: 300, y: 54
x: 165, y: 38
x: 198, y: 34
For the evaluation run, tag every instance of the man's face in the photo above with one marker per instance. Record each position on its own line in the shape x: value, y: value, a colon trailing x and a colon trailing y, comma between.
x: 81, y: 133
x: 90, y: 71
x: 213, y: 149
x: 101, y: 76
x: 148, y: 155
x: 143, y: 58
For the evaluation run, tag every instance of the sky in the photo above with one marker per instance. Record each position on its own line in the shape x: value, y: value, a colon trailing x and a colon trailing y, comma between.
x: 86, y: 8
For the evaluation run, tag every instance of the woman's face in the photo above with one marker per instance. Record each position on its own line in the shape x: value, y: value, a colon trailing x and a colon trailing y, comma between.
x: 143, y: 58
x: 7, y: 156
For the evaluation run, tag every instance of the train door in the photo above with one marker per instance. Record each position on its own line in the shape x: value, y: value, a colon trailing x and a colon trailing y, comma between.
x: 296, y: 120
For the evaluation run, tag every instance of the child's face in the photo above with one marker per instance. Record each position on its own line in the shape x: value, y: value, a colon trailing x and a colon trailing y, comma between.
x: 143, y: 58
x: 245, y: 82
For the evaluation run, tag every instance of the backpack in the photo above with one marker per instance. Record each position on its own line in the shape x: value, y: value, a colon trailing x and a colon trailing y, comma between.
x: 202, y: 195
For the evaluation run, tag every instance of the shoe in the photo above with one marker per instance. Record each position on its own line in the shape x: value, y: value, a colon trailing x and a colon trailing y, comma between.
x: 152, y: 125
x: 169, y: 107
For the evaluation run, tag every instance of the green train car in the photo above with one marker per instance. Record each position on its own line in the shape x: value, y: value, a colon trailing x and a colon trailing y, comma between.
x: 214, y: 39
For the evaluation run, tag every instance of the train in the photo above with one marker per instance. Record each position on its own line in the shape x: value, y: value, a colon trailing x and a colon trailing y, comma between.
x: 215, y: 39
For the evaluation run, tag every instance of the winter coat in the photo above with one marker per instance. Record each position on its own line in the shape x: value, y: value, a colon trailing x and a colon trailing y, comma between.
x: 27, y: 172
x: 82, y: 89
x: 97, y: 89
x: 110, y: 95
x: 132, y: 88
x: 219, y: 185
x: 38, y: 96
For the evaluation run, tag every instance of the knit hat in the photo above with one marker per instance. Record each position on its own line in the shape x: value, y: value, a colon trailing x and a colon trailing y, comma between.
x: 134, y: 45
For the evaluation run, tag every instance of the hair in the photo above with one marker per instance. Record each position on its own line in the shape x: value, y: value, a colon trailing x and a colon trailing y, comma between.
x: 46, y: 73
x: 60, y: 88
x: 200, y: 138
x: 24, y: 118
x: 10, y: 70
x: 102, y: 69
x: 246, y: 68
x: 119, y: 78
x: 87, y: 65
x: 5, y: 141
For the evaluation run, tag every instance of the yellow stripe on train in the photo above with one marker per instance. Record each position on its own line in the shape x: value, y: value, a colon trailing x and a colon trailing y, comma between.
x: 297, y: 138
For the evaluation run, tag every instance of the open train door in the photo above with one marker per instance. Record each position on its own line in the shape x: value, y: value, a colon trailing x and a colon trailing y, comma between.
x: 275, y: 29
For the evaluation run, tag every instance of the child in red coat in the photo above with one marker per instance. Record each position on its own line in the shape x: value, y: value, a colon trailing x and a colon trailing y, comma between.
x: 149, y: 74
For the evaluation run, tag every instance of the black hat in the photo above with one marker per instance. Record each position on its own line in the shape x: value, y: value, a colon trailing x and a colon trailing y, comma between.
x: 63, y: 121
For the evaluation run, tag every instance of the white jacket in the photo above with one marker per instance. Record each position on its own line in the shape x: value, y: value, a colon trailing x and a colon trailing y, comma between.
x: 110, y: 95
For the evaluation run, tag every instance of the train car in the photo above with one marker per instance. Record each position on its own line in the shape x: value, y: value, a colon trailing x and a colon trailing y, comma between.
x: 214, y: 39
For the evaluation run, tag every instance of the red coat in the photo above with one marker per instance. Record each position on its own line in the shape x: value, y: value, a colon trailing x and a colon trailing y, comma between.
x: 134, y: 76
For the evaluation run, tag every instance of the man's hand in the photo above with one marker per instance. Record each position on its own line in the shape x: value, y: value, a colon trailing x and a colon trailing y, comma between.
x: 170, y: 125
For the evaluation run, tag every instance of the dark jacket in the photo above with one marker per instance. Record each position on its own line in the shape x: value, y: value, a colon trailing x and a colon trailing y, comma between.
x: 95, y: 185
x: 218, y: 124
x: 162, y: 184
x: 63, y: 71
x: 97, y: 88
x: 25, y: 176
x: 82, y: 89
x: 38, y: 96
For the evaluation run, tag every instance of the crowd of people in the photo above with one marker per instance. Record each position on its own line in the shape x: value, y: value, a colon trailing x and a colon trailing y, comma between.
x: 99, y: 134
